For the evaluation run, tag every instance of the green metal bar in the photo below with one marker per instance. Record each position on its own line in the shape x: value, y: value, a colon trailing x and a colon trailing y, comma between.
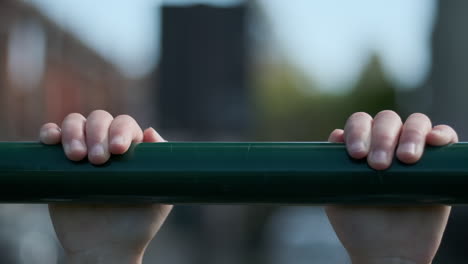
x: 284, y: 173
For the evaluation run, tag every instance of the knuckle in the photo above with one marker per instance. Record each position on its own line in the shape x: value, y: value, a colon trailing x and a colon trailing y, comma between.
x: 360, y: 115
x: 71, y: 119
x: 74, y: 116
x: 384, y: 141
x: 388, y: 114
x: 413, y: 133
x: 48, y: 125
x: 419, y: 116
x: 100, y: 112
x: 125, y: 118
x: 444, y: 127
x: 357, y: 129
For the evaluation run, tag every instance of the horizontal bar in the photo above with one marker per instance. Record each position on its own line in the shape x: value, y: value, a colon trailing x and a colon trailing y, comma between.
x: 272, y: 173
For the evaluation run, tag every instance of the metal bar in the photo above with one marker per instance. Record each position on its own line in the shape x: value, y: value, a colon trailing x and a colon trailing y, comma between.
x: 280, y: 173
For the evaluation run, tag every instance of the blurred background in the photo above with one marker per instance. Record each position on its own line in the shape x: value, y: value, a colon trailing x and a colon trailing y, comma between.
x: 230, y: 70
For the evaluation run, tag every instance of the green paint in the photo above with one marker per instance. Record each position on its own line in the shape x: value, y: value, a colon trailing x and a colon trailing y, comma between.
x: 280, y: 173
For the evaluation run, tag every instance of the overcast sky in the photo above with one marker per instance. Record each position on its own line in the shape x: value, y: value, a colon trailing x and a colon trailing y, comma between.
x: 329, y: 39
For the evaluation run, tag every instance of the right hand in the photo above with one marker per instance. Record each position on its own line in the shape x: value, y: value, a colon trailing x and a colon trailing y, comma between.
x: 92, y: 233
x: 390, y: 234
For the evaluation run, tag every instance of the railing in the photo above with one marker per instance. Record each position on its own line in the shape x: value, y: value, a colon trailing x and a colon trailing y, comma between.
x: 280, y: 173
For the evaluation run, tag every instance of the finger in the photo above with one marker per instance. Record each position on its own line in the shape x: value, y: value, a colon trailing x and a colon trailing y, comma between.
x: 50, y: 134
x: 413, y: 138
x: 442, y: 135
x: 384, y: 138
x: 122, y: 132
x: 150, y: 135
x: 336, y: 136
x: 97, y: 136
x: 73, y: 136
x: 357, y: 134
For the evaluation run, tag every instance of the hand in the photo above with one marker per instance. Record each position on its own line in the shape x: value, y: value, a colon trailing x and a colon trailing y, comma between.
x: 102, y: 233
x: 398, y: 234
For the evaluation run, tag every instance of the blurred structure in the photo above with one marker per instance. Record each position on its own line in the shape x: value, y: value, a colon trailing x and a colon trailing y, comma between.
x: 203, y: 94
x: 302, y: 235
x: 448, y: 81
x: 442, y: 97
x: 203, y: 91
x: 46, y: 73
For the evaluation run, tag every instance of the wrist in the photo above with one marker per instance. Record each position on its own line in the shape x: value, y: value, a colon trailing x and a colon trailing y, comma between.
x: 384, y: 260
x: 104, y: 257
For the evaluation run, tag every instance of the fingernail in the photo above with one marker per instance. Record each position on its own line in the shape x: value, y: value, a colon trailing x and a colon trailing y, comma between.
x: 44, y: 134
x: 66, y: 148
x: 378, y: 157
x: 76, y: 145
x: 97, y: 151
x: 357, y: 147
x: 118, y: 140
x: 409, y: 148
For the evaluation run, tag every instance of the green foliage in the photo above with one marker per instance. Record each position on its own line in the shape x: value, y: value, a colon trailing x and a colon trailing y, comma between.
x: 291, y: 109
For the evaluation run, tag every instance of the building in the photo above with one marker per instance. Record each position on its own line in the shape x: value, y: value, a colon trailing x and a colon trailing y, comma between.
x: 46, y: 72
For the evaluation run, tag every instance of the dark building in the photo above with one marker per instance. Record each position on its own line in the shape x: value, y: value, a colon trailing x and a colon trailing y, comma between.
x: 203, y: 91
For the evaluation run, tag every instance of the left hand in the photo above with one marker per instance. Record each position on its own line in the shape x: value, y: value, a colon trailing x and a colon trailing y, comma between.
x: 398, y: 234
x: 102, y: 233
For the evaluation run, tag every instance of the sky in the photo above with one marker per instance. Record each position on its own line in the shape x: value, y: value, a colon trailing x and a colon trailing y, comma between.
x: 330, y: 40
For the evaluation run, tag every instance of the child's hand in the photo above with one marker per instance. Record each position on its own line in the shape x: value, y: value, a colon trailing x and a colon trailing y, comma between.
x: 398, y: 234
x: 102, y: 233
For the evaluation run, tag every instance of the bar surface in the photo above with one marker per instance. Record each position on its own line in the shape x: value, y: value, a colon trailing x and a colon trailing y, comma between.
x: 265, y: 173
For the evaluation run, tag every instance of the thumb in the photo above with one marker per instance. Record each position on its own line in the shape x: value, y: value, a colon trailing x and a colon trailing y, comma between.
x: 151, y: 136
x: 336, y: 136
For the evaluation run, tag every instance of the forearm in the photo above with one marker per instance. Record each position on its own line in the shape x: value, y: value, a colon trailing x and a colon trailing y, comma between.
x: 103, y: 258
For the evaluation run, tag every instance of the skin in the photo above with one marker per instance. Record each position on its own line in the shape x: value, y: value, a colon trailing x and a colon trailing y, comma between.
x: 92, y: 233
x: 398, y: 234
